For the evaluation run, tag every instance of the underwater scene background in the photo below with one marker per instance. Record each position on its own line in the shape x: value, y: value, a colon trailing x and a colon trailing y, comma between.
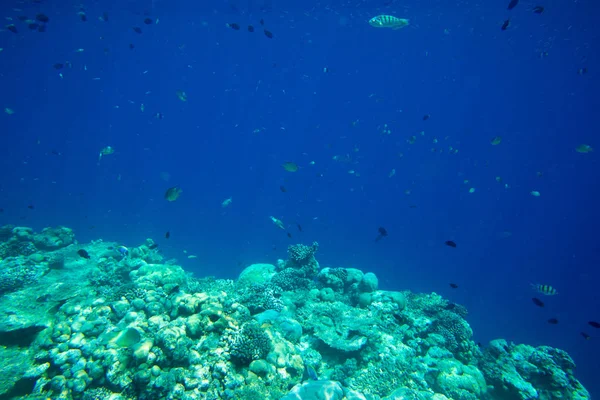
x: 446, y: 170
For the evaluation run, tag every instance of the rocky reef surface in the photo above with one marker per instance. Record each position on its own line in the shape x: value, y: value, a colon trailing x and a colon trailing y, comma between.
x: 110, y: 324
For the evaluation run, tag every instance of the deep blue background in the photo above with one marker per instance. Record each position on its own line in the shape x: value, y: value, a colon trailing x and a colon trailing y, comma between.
x: 453, y: 62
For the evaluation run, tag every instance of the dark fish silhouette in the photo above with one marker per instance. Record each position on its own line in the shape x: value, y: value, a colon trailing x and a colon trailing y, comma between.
x: 137, y: 29
x: 512, y: 4
x: 505, y: 25
x: 282, y: 189
x: 250, y: 28
x: 454, y: 286
x: 234, y: 26
x: 537, y: 302
x: 425, y: 117
x: 585, y: 336
x: 148, y: 21
x: 289, y: 235
x: 268, y: 34
x: 299, y: 227
x: 553, y: 321
x: 42, y: 18
x: 12, y: 28
x: 83, y: 254
x: 31, y: 207
x: 450, y: 243
x: 382, y: 233
x: 153, y: 246
x: 167, y: 235
x: 594, y: 324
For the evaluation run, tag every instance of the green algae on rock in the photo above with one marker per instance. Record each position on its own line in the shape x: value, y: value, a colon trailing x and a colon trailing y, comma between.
x: 138, y: 327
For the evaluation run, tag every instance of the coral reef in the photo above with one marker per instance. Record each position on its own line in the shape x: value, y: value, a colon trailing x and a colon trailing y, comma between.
x: 131, y: 326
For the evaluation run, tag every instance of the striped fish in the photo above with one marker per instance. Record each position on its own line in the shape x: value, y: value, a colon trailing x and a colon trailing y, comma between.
x: 544, y: 289
x: 388, y: 21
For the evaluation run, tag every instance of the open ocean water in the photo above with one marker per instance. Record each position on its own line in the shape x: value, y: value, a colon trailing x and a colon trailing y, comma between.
x: 469, y: 137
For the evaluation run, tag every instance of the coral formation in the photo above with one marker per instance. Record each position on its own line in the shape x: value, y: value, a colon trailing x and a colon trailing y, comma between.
x: 132, y: 326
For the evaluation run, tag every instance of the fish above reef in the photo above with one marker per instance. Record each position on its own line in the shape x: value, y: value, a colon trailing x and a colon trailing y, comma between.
x: 584, y: 148
x: 106, y: 151
x: 382, y: 233
x: 512, y: 4
x: 227, y: 202
x: 277, y: 222
x: 544, y: 289
x: 537, y: 302
x: 594, y: 324
x: 83, y: 254
x: 290, y: 166
x: 388, y: 21
x: 173, y: 193
x: 454, y: 286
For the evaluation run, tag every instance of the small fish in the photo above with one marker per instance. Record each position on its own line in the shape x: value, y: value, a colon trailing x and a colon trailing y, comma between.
x: 153, y: 246
x: 282, y: 189
x: 388, y: 21
x: 42, y: 18
x: 585, y: 336
x: 538, y: 9
x: 181, y: 95
x: 450, y: 306
x: 122, y: 250
x: 450, y: 243
x: 299, y: 227
x: 582, y: 71
x: 289, y: 235
x: 544, y: 289
x: 137, y: 29
x: 584, y: 148
x: 173, y: 193
x: 104, y: 17
x: 512, y: 4
x: 268, y: 34
x: 250, y: 28
x: 505, y: 25
x: 148, y: 21
x: 290, y: 166
x: 425, y: 117
x: 312, y: 374
x: 454, y: 286
x: 227, y: 202
x: 278, y: 223
x: 105, y: 152
x: 496, y: 140
x: 43, y: 298
x: 82, y: 16
x: 83, y: 254
x: 594, y: 324
x: 553, y: 321
x: 12, y: 28
x: 535, y: 193
x: 31, y: 207
x: 382, y: 233
x: 167, y: 235
x: 131, y: 46
x: 234, y: 26
x: 262, y: 22
x: 34, y: 26
x: 537, y: 302
x: 58, y: 66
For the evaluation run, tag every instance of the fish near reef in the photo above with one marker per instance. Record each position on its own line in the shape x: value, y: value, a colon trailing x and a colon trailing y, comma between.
x: 83, y: 254
x: 388, y: 21
x: 290, y: 166
x: 173, y: 193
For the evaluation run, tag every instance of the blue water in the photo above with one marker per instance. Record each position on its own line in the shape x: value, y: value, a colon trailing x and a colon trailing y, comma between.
x: 255, y: 103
